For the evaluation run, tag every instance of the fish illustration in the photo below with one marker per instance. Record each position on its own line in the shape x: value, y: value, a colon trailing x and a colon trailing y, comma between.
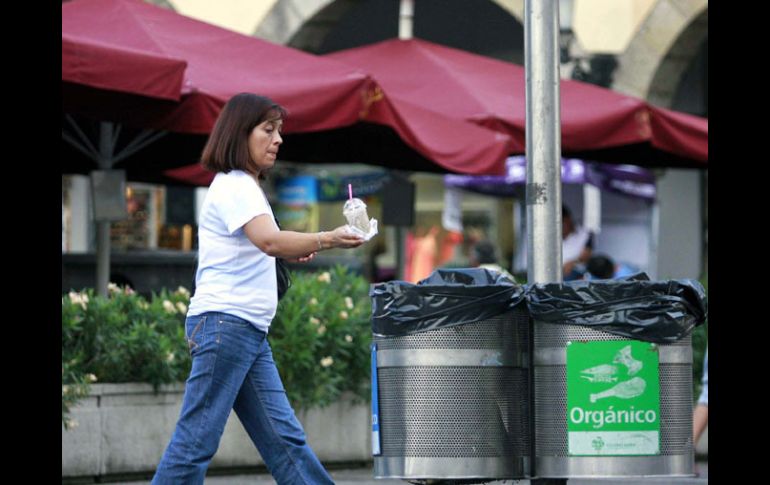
x: 624, y: 390
x: 600, y: 373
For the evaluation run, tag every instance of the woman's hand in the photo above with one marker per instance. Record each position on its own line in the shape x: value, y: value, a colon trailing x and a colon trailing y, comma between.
x: 341, y: 238
x: 303, y: 259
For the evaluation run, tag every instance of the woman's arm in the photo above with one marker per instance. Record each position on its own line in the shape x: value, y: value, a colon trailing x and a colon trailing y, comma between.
x: 262, y: 232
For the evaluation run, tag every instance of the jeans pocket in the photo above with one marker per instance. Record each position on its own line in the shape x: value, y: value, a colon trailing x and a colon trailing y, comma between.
x: 195, y: 337
x: 233, y: 321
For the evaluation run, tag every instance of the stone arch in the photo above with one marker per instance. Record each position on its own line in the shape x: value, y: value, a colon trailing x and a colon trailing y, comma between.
x: 305, y: 23
x: 164, y: 4
x: 667, y: 42
x: 301, y: 23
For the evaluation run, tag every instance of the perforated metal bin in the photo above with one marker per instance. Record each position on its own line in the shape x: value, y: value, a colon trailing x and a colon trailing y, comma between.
x: 550, y: 414
x: 454, y: 402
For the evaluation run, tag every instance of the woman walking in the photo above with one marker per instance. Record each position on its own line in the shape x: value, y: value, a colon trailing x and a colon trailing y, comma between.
x: 234, y: 302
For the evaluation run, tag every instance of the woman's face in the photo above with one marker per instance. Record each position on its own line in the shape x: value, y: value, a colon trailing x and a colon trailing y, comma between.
x: 264, y: 141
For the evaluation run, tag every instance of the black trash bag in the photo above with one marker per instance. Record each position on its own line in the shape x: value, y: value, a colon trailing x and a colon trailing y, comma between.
x: 634, y: 307
x: 446, y: 298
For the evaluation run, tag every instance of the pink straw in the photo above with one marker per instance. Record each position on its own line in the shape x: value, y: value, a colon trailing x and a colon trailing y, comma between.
x: 350, y: 191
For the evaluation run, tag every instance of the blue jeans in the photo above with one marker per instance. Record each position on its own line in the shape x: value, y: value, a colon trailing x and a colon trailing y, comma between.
x: 233, y: 368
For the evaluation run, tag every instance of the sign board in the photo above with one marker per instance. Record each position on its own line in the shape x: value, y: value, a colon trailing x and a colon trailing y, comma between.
x: 613, y: 398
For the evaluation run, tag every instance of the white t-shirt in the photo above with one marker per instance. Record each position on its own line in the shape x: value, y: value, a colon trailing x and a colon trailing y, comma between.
x: 573, y: 245
x: 234, y: 276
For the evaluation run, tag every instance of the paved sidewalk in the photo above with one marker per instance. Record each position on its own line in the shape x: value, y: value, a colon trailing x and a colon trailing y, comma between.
x: 364, y: 476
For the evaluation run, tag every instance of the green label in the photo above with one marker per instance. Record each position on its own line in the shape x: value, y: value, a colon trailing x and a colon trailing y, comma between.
x: 613, y: 398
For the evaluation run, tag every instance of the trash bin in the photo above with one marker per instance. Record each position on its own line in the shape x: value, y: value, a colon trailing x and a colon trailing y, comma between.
x: 674, y: 454
x: 450, y: 393
x: 607, y: 404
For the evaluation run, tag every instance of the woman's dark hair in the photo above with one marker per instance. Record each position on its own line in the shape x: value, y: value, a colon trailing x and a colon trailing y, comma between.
x: 565, y: 212
x: 227, y: 147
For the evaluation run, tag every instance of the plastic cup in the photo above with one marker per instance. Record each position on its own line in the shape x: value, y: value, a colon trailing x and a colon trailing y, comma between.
x: 354, y: 211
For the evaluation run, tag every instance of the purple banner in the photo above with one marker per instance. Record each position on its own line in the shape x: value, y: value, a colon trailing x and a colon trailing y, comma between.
x: 623, y: 179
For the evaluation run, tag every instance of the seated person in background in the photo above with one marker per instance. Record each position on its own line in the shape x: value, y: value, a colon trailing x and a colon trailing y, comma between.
x: 483, y: 255
x: 577, y: 246
x: 601, y: 267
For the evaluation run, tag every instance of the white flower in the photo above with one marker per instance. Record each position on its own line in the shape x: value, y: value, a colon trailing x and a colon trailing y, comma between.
x: 128, y: 290
x: 113, y: 288
x: 181, y: 307
x: 349, y: 302
x: 72, y: 424
x: 344, y: 315
x: 90, y: 378
x: 78, y: 299
x: 326, y: 361
x: 313, y: 301
x: 321, y: 329
x: 65, y: 389
x: 314, y: 320
x: 183, y: 291
x: 168, y: 306
x: 348, y: 338
x: 170, y: 357
x: 326, y: 277
x: 143, y: 304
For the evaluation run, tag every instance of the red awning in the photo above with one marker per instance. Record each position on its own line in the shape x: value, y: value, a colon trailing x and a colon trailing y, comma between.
x: 148, y: 74
x: 134, y: 47
x: 149, y: 67
x: 594, y: 121
x: 455, y: 146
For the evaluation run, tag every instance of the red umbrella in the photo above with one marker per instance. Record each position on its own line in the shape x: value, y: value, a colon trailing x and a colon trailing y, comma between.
x: 594, y: 121
x: 148, y: 67
x: 83, y: 62
x: 107, y: 40
x: 680, y: 133
x: 456, y: 147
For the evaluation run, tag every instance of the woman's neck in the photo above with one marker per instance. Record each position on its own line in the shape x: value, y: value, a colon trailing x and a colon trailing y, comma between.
x: 255, y: 176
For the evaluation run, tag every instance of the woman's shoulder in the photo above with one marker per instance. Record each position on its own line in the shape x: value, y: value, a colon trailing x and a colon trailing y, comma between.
x: 232, y: 179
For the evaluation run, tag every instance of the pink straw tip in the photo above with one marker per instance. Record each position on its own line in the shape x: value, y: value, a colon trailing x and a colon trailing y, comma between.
x: 350, y: 191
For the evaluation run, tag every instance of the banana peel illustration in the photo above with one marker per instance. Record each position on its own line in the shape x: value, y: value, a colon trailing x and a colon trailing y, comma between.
x: 623, y: 356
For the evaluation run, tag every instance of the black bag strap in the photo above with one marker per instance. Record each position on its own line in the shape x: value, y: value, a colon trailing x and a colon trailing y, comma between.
x: 194, y: 274
x: 283, y: 278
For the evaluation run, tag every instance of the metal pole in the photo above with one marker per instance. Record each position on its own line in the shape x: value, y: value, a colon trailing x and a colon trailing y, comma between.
x: 405, y: 28
x: 106, y: 149
x: 520, y: 236
x: 102, y: 257
x: 405, y: 19
x: 400, y: 252
x: 543, y: 139
x: 652, y: 266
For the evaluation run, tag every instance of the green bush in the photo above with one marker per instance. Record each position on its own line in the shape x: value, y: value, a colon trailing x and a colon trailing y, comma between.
x: 320, y: 339
x: 121, y: 338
